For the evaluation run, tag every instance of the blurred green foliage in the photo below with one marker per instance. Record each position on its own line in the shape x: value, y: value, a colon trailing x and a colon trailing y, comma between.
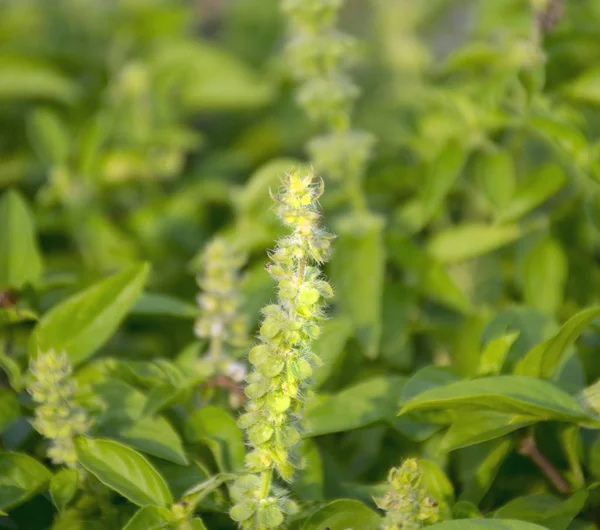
x: 467, y: 292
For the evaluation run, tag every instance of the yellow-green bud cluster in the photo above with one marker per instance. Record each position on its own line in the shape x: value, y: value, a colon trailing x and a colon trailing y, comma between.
x: 57, y: 417
x: 320, y: 56
x: 255, y: 511
x: 407, y: 505
x: 220, y: 300
x: 283, y: 361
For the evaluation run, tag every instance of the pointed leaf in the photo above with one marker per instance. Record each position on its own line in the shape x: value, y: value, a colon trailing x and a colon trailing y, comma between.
x: 84, y: 322
x: 357, y: 270
x: 342, y: 515
x: 504, y: 393
x: 20, y: 259
x: 151, y: 518
x: 541, y: 360
x: 123, y: 470
x: 468, y: 241
x: 63, y: 487
x: 21, y: 477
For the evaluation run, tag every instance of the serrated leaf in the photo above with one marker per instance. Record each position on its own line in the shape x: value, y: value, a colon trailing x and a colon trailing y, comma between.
x: 20, y: 258
x: 81, y: 324
x: 358, y: 270
x: 124, y: 470
x: 504, y: 393
x: 541, y: 360
x: 342, y: 515
x: 468, y: 241
x: 21, y: 477
x: 63, y: 487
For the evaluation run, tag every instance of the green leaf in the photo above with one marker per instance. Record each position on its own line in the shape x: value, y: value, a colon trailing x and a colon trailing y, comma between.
x: 358, y: 270
x: 432, y: 278
x: 545, y: 276
x: 479, y: 465
x: 586, y: 87
x: 198, y: 524
x: 13, y: 371
x: 309, y: 479
x: 182, y: 479
x: 208, y: 77
x: 538, y: 188
x: 330, y: 346
x: 163, y: 305
x: 504, y: 393
x: 342, y: 515
x: 23, y: 79
x: 542, y: 360
x: 20, y: 259
x: 495, y: 352
x: 63, y: 487
x: 485, y: 524
x: 21, y: 477
x: 218, y: 430
x: 495, y: 175
x: 49, y: 136
x: 442, y: 175
x: 437, y: 485
x: 468, y: 241
x: 473, y: 427
x: 10, y: 409
x: 84, y: 322
x: 124, y: 470
x: 357, y: 406
x: 156, y: 437
x: 151, y: 518
x: 546, y: 510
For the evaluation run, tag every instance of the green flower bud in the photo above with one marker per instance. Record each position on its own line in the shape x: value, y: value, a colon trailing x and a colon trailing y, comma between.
x: 290, y: 436
x: 281, y: 372
x: 242, y: 512
x: 57, y: 417
x: 247, y: 420
x: 258, y: 355
x: 304, y: 311
x: 278, y: 403
x: 309, y: 296
x: 270, y: 328
x: 270, y: 516
x: 257, y: 390
x: 313, y: 331
x: 301, y: 369
x: 260, y: 433
x: 271, y: 367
